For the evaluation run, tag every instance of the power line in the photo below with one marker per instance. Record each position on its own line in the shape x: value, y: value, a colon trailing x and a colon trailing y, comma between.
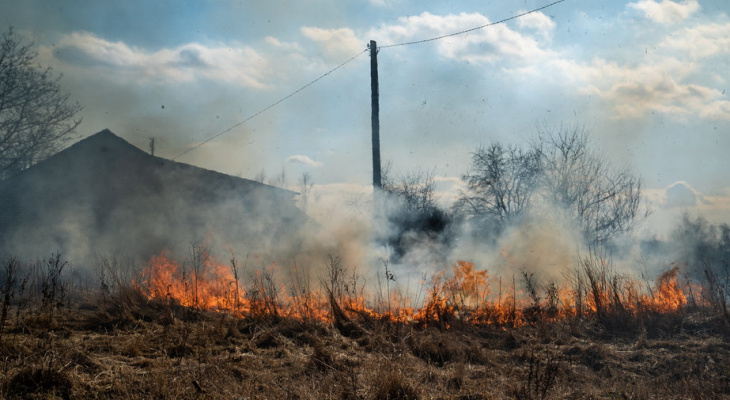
x: 474, y: 29
x: 269, y: 107
x: 349, y: 60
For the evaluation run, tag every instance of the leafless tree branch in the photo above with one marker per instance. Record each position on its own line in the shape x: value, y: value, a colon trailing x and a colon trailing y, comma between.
x: 36, y: 116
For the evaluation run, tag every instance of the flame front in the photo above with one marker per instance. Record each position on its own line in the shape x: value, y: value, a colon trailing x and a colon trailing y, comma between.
x: 464, y: 294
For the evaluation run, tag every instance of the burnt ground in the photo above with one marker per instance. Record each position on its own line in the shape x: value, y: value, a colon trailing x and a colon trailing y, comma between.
x: 124, y: 346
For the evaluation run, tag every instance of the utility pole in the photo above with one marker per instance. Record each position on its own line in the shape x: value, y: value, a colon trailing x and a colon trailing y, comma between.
x: 375, y: 117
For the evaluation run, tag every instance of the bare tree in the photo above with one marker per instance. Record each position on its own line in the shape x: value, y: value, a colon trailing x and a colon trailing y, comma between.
x: 501, y: 184
x: 414, y: 192
x: 36, y: 117
x: 305, y: 187
x: 559, y: 171
x: 260, y: 176
x: 415, y: 217
x: 602, y: 200
x: 279, y: 180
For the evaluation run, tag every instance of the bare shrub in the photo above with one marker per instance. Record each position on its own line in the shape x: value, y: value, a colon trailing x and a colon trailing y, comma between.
x: 7, y: 290
x: 321, y: 358
x: 335, y: 288
x: 303, y: 304
x: 437, y: 348
x: 53, y: 287
x: 715, y: 292
x: 125, y: 308
x: 540, y: 377
x: 113, y: 273
x: 602, y: 293
x: 533, y: 313
x: 263, y: 296
x: 413, y: 214
x: 47, y: 381
x: 392, y: 384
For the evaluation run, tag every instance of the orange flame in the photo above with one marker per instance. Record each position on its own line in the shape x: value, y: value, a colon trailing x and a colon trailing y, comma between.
x: 670, y: 296
x: 464, y: 296
x: 209, y: 286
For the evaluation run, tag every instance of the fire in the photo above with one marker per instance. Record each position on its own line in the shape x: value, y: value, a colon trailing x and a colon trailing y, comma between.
x: 208, y: 285
x: 463, y: 294
x: 465, y: 289
x: 670, y: 296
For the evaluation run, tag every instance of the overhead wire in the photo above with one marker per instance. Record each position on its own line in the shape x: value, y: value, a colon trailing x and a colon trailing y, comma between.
x: 272, y: 105
x: 276, y: 103
x: 501, y: 21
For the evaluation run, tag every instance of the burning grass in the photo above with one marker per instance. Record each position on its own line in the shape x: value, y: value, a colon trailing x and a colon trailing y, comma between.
x: 602, y: 337
x: 463, y: 295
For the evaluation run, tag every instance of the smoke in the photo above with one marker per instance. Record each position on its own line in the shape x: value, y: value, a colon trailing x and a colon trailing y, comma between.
x: 103, y: 197
x: 416, y: 245
x: 694, y: 244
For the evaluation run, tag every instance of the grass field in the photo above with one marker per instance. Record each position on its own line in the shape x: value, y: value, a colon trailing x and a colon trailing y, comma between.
x: 63, y: 340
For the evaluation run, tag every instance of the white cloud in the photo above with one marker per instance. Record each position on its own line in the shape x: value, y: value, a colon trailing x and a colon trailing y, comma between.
x: 700, y: 41
x: 288, y: 46
x: 383, y: 3
x: 681, y: 194
x: 719, y: 109
x: 447, y: 189
x: 539, y: 22
x: 658, y: 94
x: 670, y: 202
x: 301, y: 159
x: 489, y: 45
x: 671, y: 80
x: 661, y: 86
x: 336, y: 43
x: 242, y: 66
x: 667, y: 11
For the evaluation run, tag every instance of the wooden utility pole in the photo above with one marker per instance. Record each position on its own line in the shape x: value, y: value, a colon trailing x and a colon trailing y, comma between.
x: 375, y: 117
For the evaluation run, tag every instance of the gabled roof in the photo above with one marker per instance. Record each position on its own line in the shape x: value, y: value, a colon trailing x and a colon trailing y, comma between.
x: 105, y: 154
x: 102, y: 187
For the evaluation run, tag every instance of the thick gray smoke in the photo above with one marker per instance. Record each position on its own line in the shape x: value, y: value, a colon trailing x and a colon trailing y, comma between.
x: 104, y: 197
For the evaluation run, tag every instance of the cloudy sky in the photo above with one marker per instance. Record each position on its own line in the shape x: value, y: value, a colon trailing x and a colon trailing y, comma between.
x: 648, y: 78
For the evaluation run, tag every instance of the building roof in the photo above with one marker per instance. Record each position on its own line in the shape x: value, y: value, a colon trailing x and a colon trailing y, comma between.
x: 105, y: 193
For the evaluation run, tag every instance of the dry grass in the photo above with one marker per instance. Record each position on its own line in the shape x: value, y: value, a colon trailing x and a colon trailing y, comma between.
x: 137, y: 349
x: 63, y: 342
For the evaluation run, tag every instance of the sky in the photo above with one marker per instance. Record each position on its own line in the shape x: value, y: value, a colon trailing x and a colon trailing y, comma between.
x: 647, y: 78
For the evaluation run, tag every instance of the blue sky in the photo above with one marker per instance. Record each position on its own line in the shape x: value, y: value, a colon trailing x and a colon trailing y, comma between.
x: 648, y: 78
